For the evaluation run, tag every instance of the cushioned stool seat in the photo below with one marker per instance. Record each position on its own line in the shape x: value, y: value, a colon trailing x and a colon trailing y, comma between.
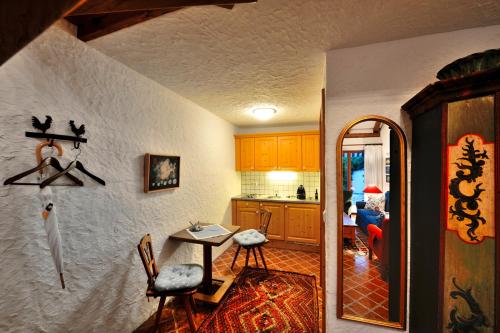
x: 249, y: 237
x: 182, y: 276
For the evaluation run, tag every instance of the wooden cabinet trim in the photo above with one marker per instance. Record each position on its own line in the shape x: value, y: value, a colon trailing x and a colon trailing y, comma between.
x: 255, y: 135
x: 247, y: 204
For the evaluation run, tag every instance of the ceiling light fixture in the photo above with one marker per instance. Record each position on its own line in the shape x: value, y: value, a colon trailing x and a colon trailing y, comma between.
x: 263, y: 113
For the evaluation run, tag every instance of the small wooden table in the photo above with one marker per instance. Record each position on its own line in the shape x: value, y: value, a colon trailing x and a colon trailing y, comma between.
x: 210, y: 292
x: 349, y: 228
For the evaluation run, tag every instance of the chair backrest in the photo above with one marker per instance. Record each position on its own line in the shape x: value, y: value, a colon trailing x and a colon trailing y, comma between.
x: 265, y: 219
x: 145, y: 248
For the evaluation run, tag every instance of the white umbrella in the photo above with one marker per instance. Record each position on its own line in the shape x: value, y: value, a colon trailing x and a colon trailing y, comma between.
x: 51, y: 227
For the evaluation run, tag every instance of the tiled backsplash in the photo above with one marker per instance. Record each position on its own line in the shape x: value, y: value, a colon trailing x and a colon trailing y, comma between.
x: 282, y: 183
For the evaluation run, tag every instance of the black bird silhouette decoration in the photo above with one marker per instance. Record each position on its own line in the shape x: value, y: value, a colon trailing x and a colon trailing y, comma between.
x: 78, y: 131
x: 37, y: 124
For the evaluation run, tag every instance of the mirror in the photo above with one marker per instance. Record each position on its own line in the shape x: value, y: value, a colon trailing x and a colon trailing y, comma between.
x: 371, y: 196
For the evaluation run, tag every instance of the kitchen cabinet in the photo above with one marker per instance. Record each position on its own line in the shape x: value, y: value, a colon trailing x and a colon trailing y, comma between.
x: 248, y: 215
x: 289, y: 152
x: 291, y: 223
x: 247, y: 153
x: 266, y: 153
x: 310, y: 152
x: 302, y: 223
x: 276, y: 228
x: 237, y: 153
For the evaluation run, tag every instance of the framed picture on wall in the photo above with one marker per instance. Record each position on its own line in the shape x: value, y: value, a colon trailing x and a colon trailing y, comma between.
x: 161, y: 172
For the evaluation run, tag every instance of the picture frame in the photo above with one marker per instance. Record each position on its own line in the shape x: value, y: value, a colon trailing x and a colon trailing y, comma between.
x: 161, y: 172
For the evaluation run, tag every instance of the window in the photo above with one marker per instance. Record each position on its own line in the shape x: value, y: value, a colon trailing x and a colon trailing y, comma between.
x: 353, y: 164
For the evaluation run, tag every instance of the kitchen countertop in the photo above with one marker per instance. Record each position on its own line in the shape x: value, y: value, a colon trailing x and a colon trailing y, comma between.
x: 276, y: 199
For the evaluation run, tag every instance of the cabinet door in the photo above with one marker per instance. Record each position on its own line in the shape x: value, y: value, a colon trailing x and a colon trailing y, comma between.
x: 266, y: 153
x: 289, y: 152
x: 310, y: 152
x: 276, y: 228
x: 247, y: 146
x: 237, y: 154
x: 302, y: 223
x: 248, y: 218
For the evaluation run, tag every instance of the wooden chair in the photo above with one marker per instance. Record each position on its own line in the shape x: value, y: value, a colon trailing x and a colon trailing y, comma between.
x: 251, y: 239
x: 160, y: 283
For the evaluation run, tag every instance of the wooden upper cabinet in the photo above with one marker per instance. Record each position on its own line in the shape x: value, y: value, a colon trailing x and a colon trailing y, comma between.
x: 289, y: 152
x: 237, y: 153
x: 292, y: 151
x: 266, y: 153
x: 247, y: 153
x: 310, y: 152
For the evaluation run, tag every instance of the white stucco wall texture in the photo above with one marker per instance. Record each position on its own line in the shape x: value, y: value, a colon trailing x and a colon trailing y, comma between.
x: 378, y: 79
x: 126, y: 115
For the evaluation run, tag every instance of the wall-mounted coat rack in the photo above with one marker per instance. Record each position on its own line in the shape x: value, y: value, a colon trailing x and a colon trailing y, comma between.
x: 52, y: 161
x: 59, y: 137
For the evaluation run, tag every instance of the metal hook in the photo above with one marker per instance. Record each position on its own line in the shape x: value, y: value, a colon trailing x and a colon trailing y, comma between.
x: 79, y: 151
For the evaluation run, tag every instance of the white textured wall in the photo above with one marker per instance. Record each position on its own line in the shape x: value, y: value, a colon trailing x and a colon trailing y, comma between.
x: 126, y: 115
x: 378, y: 79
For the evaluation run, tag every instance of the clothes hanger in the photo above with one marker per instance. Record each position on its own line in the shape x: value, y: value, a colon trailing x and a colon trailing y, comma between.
x: 72, y: 165
x: 49, y: 161
x: 79, y: 166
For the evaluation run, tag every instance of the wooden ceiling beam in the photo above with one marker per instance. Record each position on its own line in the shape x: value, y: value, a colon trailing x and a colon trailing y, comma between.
x: 226, y: 6
x: 362, y: 135
x: 21, y: 21
x: 96, y: 7
x: 377, y: 127
x: 95, y: 26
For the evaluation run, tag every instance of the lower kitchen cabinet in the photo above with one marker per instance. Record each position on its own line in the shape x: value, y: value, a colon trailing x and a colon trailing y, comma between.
x: 291, y: 223
x: 248, y: 215
x: 276, y: 228
x: 302, y: 223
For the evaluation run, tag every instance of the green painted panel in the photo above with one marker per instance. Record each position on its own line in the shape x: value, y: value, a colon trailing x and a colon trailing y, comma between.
x: 473, y: 266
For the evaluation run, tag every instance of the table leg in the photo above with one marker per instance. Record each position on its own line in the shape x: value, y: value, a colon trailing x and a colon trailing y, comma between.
x: 207, y: 267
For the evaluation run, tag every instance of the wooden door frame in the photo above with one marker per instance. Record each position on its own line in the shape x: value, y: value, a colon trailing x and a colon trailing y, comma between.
x: 322, y: 187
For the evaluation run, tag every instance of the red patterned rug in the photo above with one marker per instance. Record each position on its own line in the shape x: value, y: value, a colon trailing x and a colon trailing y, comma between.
x: 267, y: 302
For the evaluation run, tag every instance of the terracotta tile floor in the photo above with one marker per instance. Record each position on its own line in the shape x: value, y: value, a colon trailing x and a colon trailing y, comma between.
x: 174, y: 318
x: 365, y: 293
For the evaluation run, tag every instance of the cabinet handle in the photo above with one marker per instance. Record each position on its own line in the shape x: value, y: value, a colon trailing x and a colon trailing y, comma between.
x: 256, y: 212
x: 286, y: 206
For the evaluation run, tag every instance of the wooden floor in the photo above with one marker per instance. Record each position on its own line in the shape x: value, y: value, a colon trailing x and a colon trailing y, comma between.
x: 174, y: 319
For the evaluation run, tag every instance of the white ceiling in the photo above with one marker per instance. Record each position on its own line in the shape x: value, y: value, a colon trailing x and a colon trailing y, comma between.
x: 272, y: 53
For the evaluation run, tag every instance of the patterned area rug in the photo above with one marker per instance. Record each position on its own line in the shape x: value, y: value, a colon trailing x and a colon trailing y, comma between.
x: 267, y: 302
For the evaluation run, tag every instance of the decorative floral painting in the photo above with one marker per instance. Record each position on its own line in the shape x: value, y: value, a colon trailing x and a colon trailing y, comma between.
x: 161, y: 172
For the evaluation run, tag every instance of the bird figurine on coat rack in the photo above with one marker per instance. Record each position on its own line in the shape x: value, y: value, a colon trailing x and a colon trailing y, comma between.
x: 78, y: 131
x: 37, y: 124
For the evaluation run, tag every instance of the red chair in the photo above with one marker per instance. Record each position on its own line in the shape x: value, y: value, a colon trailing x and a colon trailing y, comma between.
x: 378, y: 242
